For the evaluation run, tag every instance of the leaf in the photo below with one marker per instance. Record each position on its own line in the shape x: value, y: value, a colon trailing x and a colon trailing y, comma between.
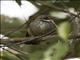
x: 8, y: 56
x: 57, y: 51
x: 64, y: 30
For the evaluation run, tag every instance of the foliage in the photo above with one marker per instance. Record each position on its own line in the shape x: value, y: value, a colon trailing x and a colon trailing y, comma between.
x: 8, y: 24
x: 8, y: 56
x: 64, y: 29
x: 54, y: 45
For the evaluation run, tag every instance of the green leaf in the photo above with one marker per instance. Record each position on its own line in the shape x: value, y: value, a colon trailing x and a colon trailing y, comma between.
x: 64, y: 30
x: 8, y: 56
x: 57, y: 51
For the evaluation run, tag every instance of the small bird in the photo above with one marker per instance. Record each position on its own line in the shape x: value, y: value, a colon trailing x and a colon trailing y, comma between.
x: 41, y: 25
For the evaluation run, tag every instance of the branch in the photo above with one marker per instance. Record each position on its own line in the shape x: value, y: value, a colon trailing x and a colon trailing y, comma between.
x: 57, y: 8
x: 41, y: 11
x: 35, y: 40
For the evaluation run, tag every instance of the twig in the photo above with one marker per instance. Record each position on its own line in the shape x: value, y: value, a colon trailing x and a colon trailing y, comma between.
x: 11, y: 45
x: 36, y: 39
x: 41, y: 11
x: 34, y: 3
x: 57, y: 8
x: 64, y: 5
x: 16, y: 54
x: 11, y: 32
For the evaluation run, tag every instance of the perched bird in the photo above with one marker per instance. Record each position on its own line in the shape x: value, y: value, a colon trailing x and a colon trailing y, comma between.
x: 41, y: 25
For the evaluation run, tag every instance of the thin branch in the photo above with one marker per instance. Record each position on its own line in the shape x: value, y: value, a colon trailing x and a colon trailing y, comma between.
x: 36, y: 39
x: 64, y: 5
x: 13, y: 31
x: 11, y: 45
x: 57, y: 8
x: 34, y: 3
x: 78, y: 13
x: 75, y: 37
x: 41, y: 11
x: 13, y: 52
